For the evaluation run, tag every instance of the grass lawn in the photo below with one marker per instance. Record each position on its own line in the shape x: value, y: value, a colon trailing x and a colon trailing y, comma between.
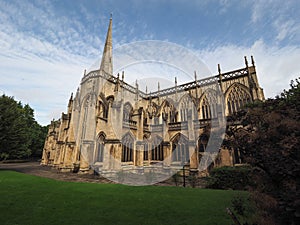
x: 26, y: 199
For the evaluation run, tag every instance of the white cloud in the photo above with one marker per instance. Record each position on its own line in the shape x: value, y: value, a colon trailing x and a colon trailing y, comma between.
x: 277, y: 15
x: 35, y: 70
x: 275, y: 66
x: 43, y: 54
x: 45, y: 85
x: 287, y: 29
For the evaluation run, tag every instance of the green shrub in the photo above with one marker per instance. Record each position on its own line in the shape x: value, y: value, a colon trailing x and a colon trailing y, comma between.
x: 176, y: 178
x: 236, y: 178
x: 192, y: 180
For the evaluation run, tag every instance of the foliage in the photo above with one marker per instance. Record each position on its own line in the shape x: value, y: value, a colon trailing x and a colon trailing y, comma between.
x: 239, y: 205
x: 20, y: 135
x: 58, y: 202
x: 192, y: 180
x: 270, y: 140
x: 292, y: 96
x: 244, y: 211
x: 236, y: 178
x: 176, y: 178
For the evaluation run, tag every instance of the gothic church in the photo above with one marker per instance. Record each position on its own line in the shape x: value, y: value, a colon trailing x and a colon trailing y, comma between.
x: 111, y: 125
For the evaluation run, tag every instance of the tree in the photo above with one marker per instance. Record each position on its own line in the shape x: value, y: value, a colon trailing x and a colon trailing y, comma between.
x: 20, y: 135
x: 270, y: 140
x: 38, y: 139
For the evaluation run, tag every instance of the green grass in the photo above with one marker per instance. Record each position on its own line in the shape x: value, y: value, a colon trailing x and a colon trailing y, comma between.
x: 26, y: 199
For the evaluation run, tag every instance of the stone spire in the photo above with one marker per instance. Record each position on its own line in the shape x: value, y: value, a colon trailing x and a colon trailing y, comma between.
x: 106, y: 62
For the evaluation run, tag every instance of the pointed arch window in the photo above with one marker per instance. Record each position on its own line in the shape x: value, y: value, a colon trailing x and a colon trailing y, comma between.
x: 127, y: 112
x: 237, y: 98
x: 209, y: 105
x: 202, y: 143
x: 168, y: 112
x: 206, y: 113
x: 146, y: 148
x: 180, y: 149
x: 127, y: 148
x: 103, y: 110
x: 184, y: 109
x: 100, y: 148
x: 146, y: 151
x: 157, y: 152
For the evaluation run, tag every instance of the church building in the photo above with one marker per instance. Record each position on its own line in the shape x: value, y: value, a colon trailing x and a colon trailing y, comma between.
x: 113, y: 126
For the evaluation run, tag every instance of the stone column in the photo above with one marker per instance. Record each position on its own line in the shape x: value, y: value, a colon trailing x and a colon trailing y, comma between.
x: 56, y: 156
x: 167, y: 154
x: 117, y: 156
x: 192, y: 142
x: 67, y: 164
x: 84, y: 163
x: 139, y: 145
x: 139, y: 153
x: 193, y: 156
x: 106, y: 157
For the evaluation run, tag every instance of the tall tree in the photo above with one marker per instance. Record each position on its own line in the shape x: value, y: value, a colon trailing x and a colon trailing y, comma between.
x: 20, y: 134
x: 270, y: 140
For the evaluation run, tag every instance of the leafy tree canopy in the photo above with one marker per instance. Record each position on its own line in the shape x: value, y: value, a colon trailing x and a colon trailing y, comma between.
x: 20, y: 135
x: 269, y: 140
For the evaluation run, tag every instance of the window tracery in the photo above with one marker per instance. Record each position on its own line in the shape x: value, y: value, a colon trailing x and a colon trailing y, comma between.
x: 127, y: 148
x: 127, y: 112
x: 157, y: 152
x: 209, y: 104
x: 180, y: 149
x: 237, y: 98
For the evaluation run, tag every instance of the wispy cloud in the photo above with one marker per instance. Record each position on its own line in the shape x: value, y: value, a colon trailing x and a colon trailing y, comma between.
x: 275, y: 66
x: 46, y: 45
x: 279, y: 15
x: 41, y: 57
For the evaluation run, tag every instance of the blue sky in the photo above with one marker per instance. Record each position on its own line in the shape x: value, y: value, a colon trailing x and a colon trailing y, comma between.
x: 46, y: 45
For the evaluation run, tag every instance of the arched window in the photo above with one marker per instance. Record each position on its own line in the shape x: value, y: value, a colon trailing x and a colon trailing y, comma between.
x: 168, y: 112
x: 146, y: 148
x: 209, y: 105
x: 127, y: 148
x: 202, y: 143
x: 103, y: 110
x: 100, y: 148
x: 180, y: 149
x: 127, y: 112
x: 157, y: 152
x: 237, y: 98
x: 109, y: 102
x: 146, y: 151
x: 184, y: 108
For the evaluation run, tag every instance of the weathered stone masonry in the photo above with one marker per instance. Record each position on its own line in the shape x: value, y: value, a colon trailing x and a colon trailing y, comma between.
x: 111, y: 125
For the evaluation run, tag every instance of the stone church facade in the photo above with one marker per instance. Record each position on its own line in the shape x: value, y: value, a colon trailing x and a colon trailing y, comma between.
x: 111, y: 125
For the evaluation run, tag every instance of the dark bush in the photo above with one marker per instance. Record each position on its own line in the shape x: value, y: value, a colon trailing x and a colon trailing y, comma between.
x: 236, y: 178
